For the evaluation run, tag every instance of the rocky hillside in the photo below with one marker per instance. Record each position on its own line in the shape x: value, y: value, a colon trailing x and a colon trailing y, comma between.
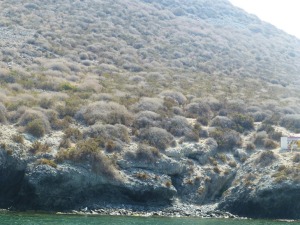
x: 147, y: 103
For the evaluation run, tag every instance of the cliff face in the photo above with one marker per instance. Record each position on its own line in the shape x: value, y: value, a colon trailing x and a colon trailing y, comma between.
x: 262, y: 183
x: 148, y: 103
x: 266, y: 186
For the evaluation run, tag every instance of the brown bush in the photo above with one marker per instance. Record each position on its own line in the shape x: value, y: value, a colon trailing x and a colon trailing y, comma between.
x: 198, y: 109
x: 270, y: 144
x: 296, y: 158
x: 89, y: 151
x: 191, y: 136
x: 38, y: 147
x: 47, y: 162
x: 74, y: 134
x: 178, y: 97
x: 142, y: 176
x: 107, y: 132
x: 226, y: 138
x: 178, y: 126
x: 34, y: 121
x: 250, y: 146
x: 222, y: 122
x: 266, y: 158
x: 145, y: 153
x: 2, y: 113
x: 18, y: 138
x: 145, y: 119
x: 156, y: 137
x: 108, y: 112
x: 149, y: 104
x: 36, y: 128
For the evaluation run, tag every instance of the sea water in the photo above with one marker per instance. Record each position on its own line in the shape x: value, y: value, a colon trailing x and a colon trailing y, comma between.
x: 10, y: 218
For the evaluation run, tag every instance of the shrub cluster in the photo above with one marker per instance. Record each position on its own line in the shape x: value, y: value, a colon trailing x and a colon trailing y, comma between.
x: 89, y: 151
x: 156, y: 137
x: 107, y: 112
x: 144, y: 153
x: 227, y: 139
x: 38, y: 147
x: 291, y: 122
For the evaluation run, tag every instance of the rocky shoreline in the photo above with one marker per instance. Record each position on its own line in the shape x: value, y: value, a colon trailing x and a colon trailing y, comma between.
x: 205, y: 211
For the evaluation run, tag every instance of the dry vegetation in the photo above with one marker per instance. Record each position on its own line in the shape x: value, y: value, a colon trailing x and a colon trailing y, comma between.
x: 94, y: 70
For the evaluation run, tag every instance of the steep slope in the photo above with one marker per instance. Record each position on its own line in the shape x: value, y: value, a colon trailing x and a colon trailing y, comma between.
x: 139, y: 101
x: 209, y: 36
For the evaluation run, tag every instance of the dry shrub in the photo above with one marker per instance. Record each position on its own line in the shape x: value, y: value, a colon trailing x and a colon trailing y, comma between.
x: 203, y: 120
x: 222, y: 122
x: 178, y: 97
x: 89, y: 151
x: 191, y: 136
x: 47, y: 162
x: 38, y: 147
x: 65, y: 143
x: 242, y: 122
x: 232, y: 164
x: 168, y: 184
x: 29, y: 115
x: 145, y: 153
x: 266, y: 158
x: 146, y: 119
x: 291, y: 122
x: 46, y: 103
x: 156, y: 137
x: 250, y: 146
x: 142, y: 176
x: 59, y: 124
x: 36, y: 128
x: 2, y: 113
x: 270, y: 144
x: 236, y: 106
x: 260, y: 138
x: 198, y: 109
x: 227, y: 139
x: 115, y: 132
x: 58, y: 66
x: 178, y: 126
x: 149, y: 104
x: 70, y: 106
x: 18, y: 138
x: 108, y: 112
x: 296, y: 158
x: 113, y: 146
x: 258, y: 116
x: 74, y: 134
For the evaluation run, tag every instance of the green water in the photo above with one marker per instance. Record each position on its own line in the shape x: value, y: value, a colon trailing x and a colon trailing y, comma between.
x: 50, y: 219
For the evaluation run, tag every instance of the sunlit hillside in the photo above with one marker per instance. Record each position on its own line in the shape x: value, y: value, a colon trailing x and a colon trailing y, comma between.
x: 108, y: 82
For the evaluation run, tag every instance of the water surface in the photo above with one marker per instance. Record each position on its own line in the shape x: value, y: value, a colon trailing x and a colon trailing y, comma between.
x: 52, y: 219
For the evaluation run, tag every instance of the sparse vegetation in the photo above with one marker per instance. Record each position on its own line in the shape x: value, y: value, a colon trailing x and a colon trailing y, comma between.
x: 265, y: 158
x: 18, y: 138
x: 38, y: 147
x: 47, y: 162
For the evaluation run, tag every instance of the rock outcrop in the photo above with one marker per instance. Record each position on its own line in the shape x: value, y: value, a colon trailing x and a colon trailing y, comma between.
x: 12, y: 171
x: 266, y: 186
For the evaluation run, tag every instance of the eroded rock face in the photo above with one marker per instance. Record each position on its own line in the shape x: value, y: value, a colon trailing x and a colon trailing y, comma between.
x: 72, y: 186
x: 12, y: 171
x: 265, y: 187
